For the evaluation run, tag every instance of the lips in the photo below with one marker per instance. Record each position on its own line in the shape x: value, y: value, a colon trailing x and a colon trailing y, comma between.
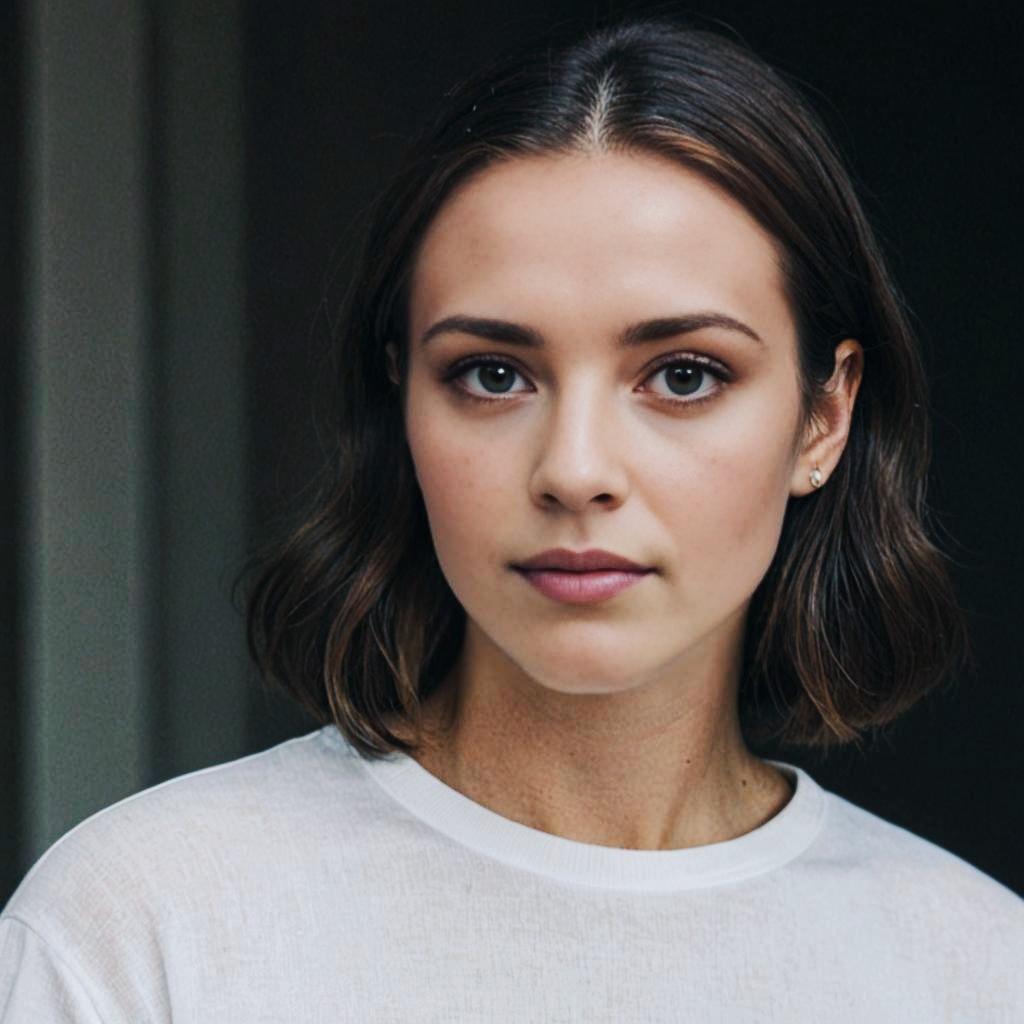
x: 591, y: 560
x: 580, y: 587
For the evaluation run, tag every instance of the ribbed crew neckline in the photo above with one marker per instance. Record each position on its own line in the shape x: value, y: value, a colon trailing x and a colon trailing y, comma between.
x: 779, y: 840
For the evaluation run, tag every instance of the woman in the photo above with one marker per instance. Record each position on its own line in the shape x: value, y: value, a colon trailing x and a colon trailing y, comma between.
x: 630, y: 473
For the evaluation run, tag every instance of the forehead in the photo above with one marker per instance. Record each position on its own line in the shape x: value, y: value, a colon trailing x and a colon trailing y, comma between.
x: 590, y: 232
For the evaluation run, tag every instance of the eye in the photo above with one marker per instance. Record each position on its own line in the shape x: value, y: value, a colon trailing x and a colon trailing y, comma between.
x: 683, y: 377
x: 496, y: 373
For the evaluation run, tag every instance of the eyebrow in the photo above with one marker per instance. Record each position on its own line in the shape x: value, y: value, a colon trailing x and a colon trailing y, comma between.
x: 635, y: 334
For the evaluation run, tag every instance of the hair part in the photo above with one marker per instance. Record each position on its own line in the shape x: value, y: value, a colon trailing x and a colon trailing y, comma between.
x: 855, y: 619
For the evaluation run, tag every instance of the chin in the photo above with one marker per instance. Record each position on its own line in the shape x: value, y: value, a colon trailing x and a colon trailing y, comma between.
x: 579, y: 680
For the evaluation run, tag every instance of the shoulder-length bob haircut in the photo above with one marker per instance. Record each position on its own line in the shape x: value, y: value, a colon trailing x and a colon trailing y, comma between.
x: 856, y: 617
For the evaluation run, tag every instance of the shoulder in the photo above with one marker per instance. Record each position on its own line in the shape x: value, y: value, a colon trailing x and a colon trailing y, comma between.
x: 114, y: 903
x: 139, y: 855
x: 956, y: 911
x: 891, y: 850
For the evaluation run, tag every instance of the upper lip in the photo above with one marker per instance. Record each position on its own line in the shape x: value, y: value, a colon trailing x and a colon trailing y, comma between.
x: 592, y: 560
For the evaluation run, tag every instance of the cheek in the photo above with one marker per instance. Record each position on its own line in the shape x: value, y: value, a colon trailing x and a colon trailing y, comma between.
x: 464, y: 484
x: 727, y: 506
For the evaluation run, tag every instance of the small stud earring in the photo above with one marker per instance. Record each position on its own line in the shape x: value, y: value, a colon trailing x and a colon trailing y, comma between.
x: 816, y: 477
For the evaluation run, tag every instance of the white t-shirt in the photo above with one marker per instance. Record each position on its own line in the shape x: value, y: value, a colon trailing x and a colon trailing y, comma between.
x: 307, y: 884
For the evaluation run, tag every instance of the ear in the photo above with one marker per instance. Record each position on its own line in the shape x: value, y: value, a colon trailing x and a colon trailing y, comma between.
x: 830, y: 425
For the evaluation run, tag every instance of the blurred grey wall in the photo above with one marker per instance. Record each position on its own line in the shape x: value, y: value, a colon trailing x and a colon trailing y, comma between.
x: 11, y: 802
x: 128, y: 360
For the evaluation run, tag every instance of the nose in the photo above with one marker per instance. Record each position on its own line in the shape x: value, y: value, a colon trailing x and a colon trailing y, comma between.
x: 579, y: 457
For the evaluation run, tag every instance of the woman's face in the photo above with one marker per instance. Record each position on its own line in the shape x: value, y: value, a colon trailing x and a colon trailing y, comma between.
x: 581, y: 442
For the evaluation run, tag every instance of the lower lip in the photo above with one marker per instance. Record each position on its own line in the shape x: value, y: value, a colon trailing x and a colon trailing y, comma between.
x: 581, y: 587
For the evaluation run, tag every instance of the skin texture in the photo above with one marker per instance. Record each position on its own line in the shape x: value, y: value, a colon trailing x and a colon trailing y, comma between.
x: 614, y: 723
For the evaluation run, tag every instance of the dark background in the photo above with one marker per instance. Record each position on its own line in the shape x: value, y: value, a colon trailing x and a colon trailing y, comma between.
x: 920, y: 98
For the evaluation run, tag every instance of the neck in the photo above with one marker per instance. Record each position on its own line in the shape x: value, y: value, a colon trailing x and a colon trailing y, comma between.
x: 650, y: 768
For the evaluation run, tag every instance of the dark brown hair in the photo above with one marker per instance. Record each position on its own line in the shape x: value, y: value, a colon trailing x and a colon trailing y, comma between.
x: 856, y: 618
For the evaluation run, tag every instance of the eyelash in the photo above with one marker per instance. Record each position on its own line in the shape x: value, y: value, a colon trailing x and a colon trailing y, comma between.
x: 462, y: 366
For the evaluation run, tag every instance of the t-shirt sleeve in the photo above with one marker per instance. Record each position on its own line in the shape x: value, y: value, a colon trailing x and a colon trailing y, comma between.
x: 36, y: 983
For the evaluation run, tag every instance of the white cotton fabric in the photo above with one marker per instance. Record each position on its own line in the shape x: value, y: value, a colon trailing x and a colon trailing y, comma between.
x: 305, y: 883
